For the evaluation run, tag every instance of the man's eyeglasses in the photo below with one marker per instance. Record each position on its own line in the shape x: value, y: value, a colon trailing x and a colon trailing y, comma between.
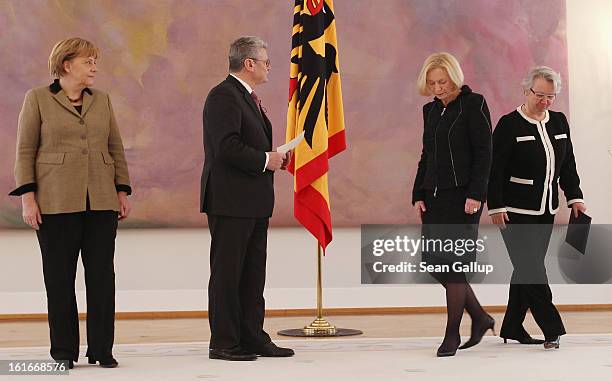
x: 541, y: 96
x: 266, y: 62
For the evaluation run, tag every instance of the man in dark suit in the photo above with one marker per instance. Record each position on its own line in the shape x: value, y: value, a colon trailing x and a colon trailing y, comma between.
x: 237, y: 194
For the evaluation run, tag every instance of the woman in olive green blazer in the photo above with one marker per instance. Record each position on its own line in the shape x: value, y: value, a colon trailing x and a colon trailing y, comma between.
x: 72, y: 176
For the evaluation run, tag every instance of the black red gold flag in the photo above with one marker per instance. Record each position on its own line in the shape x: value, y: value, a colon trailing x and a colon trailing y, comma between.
x: 315, y: 107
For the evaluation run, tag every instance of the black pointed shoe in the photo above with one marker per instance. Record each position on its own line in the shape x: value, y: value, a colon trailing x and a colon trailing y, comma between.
x: 69, y: 363
x: 109, y: 362
x: 448, y: 352
x: 478, y: 331
x: 272, y: 350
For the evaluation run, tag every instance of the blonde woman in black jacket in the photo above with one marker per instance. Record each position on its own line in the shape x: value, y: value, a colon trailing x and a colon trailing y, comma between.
x: 532, y: 153
x: 451, y: 182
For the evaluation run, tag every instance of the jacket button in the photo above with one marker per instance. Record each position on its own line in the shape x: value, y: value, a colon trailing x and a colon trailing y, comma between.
x: 84, y: 151
x: 83, y: 137
x: 81, y: 122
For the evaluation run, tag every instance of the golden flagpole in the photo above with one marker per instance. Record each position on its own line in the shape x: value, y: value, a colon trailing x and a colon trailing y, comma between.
x: 320, y: 327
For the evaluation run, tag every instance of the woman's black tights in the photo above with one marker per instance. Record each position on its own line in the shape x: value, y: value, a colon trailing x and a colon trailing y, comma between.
x: 459, y: 297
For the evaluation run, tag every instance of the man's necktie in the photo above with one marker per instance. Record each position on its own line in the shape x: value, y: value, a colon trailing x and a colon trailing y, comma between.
x: 258, y: 102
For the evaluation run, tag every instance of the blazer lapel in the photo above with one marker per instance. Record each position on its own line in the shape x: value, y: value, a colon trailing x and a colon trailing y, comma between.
x: 87, y: 101
x: 268, y: 125
x: 265, y: 122
x: 62, y: 99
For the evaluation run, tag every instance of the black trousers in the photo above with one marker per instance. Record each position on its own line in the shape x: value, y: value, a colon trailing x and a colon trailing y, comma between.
x: 526, y: 238
x: 61, y: 238
x: 236, y: 304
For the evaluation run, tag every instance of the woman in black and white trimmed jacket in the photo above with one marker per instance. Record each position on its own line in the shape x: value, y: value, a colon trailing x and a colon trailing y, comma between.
x: 532, y: 155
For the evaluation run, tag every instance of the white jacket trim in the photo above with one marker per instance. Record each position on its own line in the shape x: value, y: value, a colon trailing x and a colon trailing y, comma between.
x: 518, y: 180
x: 525, y: 138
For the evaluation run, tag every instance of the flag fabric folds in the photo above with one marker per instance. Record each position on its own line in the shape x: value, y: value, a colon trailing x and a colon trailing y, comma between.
x: 315, y: 107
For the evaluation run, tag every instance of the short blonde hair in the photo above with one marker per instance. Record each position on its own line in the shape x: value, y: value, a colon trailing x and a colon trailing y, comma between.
x: 67, y: 50
x: 444, y: 61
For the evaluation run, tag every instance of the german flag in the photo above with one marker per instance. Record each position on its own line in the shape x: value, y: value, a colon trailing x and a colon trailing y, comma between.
x: 315, y: 107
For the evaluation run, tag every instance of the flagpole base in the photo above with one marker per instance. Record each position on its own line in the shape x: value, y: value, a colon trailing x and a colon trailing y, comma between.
x: 320, y: 328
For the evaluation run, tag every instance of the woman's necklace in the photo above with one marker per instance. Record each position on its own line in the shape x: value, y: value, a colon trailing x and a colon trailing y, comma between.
x: 75, y: 100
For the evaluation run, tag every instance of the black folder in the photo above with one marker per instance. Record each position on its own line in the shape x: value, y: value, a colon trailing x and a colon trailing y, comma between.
x: 578, y: 231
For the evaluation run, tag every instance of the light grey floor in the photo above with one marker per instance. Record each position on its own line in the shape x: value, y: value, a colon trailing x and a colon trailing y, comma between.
x: 581, y: 357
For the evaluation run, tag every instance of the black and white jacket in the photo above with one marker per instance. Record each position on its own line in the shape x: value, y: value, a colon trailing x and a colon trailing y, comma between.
x: 530, y: 158
x: 456, y: 146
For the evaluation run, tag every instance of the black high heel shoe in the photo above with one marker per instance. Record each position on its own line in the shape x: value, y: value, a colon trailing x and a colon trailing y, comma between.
x: 479, y: 331
x: 524, y: 340
x: 104, y: 363
x: 552, y: 343
x: 442, y: 352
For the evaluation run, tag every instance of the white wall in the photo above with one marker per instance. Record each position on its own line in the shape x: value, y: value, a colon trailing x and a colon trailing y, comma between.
x: 165, y: 270
x: 589, y: 37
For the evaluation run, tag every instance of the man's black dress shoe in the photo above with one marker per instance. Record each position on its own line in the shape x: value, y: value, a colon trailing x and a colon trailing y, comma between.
x: 236, y: 354
x: 272, y: 350
x: 104, y: 363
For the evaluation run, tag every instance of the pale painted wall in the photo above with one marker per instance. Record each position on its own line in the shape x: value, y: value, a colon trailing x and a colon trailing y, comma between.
x: 161, y: 270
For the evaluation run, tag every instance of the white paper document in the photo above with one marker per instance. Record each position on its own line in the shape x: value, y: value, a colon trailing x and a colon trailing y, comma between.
x: 291, y: 144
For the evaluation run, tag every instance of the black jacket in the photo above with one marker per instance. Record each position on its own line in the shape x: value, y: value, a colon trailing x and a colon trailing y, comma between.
x: 237, y: 136
x: 456, y: 146
x: 529, y: 159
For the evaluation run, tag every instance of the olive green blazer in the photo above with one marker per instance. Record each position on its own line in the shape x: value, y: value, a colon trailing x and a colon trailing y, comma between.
x: 70, y: 155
